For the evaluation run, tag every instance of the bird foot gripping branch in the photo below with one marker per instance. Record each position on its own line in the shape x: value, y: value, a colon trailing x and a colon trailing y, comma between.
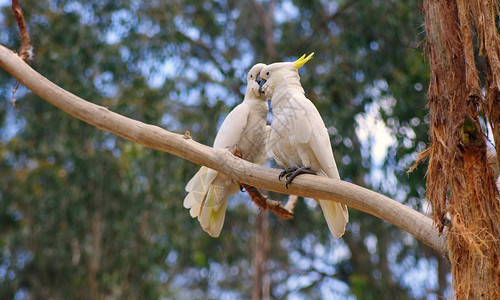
x: 292, y: 172
x: 262, y: 201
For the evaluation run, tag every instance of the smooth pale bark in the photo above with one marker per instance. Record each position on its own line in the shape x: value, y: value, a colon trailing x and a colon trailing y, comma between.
x: 415, y: 223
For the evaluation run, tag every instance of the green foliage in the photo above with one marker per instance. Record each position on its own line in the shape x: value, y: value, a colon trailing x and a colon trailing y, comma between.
x: 85, y: 214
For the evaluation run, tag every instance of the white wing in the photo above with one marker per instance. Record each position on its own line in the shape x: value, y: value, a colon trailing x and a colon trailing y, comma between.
x: 267, y: 153
x: 310, y: 129
x: 232, y: 128
x: 197, y: 188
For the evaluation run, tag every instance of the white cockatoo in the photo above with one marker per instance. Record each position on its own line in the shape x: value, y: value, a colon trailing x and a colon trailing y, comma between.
x: 245, y: 126
x: 298, y: 139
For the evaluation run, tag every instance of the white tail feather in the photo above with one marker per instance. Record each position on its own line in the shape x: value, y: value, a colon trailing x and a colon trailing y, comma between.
x: 197, y: 188
x: 213, y: 210
x: 336, y: 216
x: 207, y: 199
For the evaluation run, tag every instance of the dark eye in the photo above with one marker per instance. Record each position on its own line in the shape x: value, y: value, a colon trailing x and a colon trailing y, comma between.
x: 267, y: 73
x: 251, y: 76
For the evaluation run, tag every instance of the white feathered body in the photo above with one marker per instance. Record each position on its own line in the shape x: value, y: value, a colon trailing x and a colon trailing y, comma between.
x: 299, y: 138
x: 208, y: 189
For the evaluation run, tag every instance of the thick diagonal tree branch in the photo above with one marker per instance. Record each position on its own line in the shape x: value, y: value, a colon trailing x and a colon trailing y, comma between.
x: 415, y: 223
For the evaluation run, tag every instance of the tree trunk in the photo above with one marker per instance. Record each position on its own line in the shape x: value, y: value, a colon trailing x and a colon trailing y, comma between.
x: 460, y: 182
x: 261, y: 282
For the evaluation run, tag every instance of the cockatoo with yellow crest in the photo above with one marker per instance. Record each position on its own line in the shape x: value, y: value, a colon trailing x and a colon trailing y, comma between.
x: 298, y: 139
x: 245, y: 126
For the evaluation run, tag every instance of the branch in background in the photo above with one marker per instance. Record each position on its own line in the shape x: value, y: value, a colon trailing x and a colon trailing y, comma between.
x: 266, y: 16
x: 26, y: 50
x: 208, y: 49
x: 262, y: 201
x: 267, y: 204
x: 292, y: 201
x: 320, y: 25
x: 221, y: 160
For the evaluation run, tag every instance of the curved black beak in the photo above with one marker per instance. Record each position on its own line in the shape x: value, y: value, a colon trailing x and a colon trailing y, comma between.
x: 261, y: 83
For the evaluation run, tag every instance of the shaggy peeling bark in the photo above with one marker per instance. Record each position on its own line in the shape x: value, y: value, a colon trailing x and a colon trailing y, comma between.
x: 460, y: 181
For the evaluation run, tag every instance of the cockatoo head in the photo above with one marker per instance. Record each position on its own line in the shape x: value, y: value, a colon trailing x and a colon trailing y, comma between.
x: 274, y: 73
x: 253, y: 81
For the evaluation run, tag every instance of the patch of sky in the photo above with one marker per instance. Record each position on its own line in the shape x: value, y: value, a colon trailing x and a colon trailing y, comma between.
x: 69, y: 166
x: 323, y: 69
x: 234, y: 14
x: 277, y: 34
x: 86, y: 13
x: 317, y: 258
x: 310, y: 203
x: 354, y: 229
x: 336, y: 252
x: 373, y: 133
x: 2, y: 17
x: 359, y: 76
x: 4, y: 34
x: 124, y: 53
x: 421, y: 279
x: 378, y: 138
x: 162, y: 276
x: 5, y: 266
x: 182, y: 26
x: 109, y: 142
x: 306, y: 26
x: 285, y: 11
x: 221, y: 18
x: 299, y: 261
x: 215, y: 92
x: 172, y: 258
x: 419, y: 276
x: 170, y: 122
x: 191, y: 72
x: 22, y: 294
x: 220, y: 43
x: 154, y: 73
x: 371, y: 243
x: 362, y: 52
x: 22, y: 258
x: 297, y: 282
x: 330, y: 7
x: 157, y: 72
x: 332, y: 288
x: 121, y: 23
x: 188, y: 97
x: 334, y: 28
x: 243, y: 64
x: 13, y: 123
x: 105, y: 84
x: 16, y: 215
x: 210, y: 69
x: 148, y: 28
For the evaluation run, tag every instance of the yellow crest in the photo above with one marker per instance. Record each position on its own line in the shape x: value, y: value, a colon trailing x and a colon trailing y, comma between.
x: 302, y: 60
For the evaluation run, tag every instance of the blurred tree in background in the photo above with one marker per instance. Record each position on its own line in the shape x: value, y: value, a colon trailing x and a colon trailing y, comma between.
x: 87, y: 215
